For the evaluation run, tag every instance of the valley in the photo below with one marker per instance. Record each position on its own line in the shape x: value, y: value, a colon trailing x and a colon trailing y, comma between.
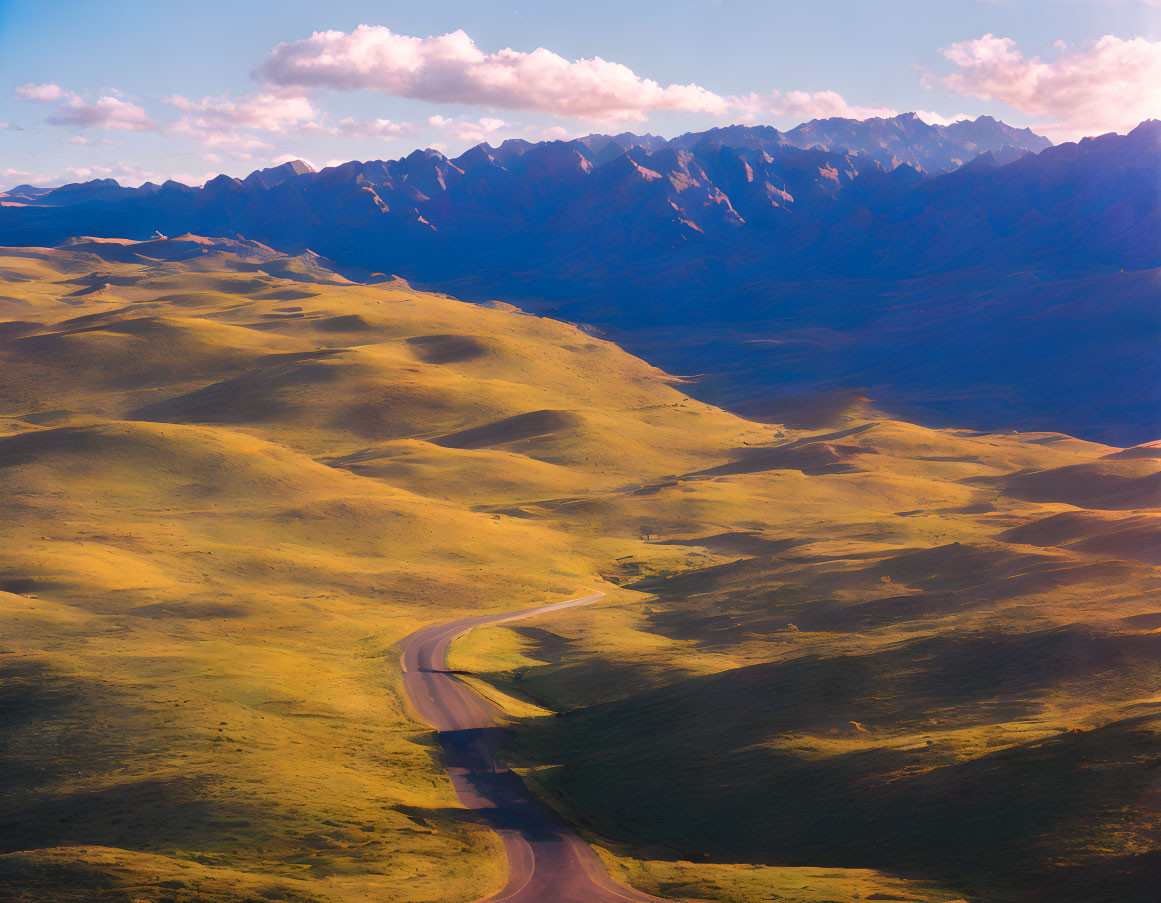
x: 853, y: 657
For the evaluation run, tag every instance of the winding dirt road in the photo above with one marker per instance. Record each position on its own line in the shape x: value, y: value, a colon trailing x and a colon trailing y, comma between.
x: 547, y: 862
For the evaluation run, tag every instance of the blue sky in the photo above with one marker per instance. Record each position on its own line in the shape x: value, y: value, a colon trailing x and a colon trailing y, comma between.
x: 136, y: 90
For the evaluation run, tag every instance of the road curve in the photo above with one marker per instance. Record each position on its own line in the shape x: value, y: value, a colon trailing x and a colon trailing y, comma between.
x: 547, y: 862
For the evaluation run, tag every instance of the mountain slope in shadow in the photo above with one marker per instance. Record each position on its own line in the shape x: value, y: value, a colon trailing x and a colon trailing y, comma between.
x: 966, y: 274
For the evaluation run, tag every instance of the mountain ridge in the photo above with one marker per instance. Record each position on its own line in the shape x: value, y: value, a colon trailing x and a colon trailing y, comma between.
x: 815, y: 133
x: 776, y: 270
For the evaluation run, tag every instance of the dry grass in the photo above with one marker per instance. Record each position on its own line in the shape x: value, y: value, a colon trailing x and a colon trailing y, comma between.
x: 228, y: 492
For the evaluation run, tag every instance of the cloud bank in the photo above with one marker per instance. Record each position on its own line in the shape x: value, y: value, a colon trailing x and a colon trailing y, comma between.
x: 224, y: 122
x: 1108, y: 85
x: 106, y: 112
x: 272, y: 112
x: 450, y: 68
x: 228, y: 122
x: 804, y: 105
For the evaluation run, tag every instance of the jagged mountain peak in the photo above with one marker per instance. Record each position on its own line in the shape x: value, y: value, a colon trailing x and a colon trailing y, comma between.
x: 866, y: 222
x: 276, y: 175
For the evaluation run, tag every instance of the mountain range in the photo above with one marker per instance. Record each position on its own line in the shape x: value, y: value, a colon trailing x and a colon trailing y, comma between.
x: 969, y: 273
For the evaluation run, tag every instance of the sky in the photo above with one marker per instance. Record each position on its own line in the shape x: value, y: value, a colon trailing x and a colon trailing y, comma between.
x: 149, y: 91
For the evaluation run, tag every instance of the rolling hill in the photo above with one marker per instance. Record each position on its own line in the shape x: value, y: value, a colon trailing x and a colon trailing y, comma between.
x: 877, y: 658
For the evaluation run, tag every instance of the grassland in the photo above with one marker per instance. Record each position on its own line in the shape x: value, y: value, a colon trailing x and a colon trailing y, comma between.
x: 907, y: 666
x: 830, y: 660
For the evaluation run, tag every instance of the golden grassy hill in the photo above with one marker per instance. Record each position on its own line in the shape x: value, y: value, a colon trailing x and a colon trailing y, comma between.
x: 232, y: 483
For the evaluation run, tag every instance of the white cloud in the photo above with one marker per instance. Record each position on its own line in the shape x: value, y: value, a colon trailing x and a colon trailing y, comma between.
x: 472, y: 132
x: 268, y: 111
x: 47, y: 93
x: 450, y: 68
x: 128, y: 174
x: 104, y: 113
x: 78, y: 139
x: 125, y: 173
x: 376, y: 128
x: 803, y: 105
x: 226, y: 122
x: 13, y: 177
x: 223, y: 140
x: 551, y: 133
x: 83, y: 172
x: 1107, y: 85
